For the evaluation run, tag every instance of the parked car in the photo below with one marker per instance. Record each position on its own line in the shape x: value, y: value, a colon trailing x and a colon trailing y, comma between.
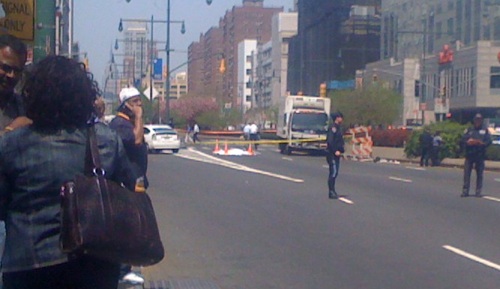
x: 161, y: 137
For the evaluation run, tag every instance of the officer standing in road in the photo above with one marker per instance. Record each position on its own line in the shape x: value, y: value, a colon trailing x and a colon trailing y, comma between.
x: 475, y: 141
x: 335, y: 148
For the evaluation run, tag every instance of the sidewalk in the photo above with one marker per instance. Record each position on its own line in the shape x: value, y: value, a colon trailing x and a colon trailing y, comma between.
x: 399, y: 155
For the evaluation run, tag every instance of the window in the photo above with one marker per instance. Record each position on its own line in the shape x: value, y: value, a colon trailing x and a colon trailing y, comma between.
x: 495, y: 77
x: 439, y: 30
x: 248, y: 72
x: 248, y: 98
x: 450, y: 26
x: 451, y: 5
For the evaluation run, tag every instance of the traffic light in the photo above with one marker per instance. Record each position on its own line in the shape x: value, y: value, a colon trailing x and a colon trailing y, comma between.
x: 322, y: 90
x: 222, y: 67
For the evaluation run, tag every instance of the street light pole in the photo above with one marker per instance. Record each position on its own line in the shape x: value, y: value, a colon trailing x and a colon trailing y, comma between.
x: 151, y: 80
x: 167, y: 73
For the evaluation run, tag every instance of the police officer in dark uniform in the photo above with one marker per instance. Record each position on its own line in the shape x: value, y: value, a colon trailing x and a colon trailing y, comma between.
x: 335, y: 148
x: 475, y: 141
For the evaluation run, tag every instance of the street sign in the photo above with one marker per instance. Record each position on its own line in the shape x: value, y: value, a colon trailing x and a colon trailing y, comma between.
x: 148, y: 93
x: 158, y: 69
x: 17, y: 17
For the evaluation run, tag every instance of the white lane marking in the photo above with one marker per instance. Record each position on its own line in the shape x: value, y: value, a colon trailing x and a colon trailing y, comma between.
x: 416, y: 168
x: 400, y: 180
x: 287, y: 159
x: 347, y: 201
x: 326, y: 166
x: 497, y: 180
x: 472, y: 257
x: 491, y: 199
x: 206, y: 158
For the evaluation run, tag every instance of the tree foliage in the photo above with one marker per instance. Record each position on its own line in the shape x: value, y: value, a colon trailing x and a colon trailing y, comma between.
x: 189, y: 108
x: 373, y: 105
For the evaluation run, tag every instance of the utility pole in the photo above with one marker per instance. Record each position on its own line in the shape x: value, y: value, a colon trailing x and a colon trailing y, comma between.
x: 45, y: 29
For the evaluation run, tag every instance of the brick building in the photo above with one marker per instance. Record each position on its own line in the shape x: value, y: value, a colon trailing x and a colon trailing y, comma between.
x: 195, y: 67
x: 250, y: 21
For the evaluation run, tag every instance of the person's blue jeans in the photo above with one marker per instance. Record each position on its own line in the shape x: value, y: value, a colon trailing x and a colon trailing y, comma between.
x: 333, y: 166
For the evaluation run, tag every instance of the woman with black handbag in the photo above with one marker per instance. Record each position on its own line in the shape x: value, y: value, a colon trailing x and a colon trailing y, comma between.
x: 35, y: 161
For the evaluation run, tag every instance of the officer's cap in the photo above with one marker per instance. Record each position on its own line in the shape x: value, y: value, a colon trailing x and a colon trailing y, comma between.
x: 337, y: 114
x: 478, y: 116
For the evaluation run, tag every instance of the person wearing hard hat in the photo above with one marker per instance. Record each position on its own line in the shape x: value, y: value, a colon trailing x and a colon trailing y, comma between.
x: 335, y: 149
x: 475, y: 141
x: 129, y: 126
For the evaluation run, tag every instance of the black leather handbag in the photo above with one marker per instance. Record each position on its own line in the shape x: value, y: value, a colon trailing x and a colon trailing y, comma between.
x: 106, y: 220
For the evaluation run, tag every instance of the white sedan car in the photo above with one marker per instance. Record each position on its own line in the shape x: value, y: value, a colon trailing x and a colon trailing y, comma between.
x: 161, y: 137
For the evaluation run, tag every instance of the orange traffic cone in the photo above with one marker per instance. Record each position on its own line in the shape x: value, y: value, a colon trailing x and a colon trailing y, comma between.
x: 216, y: 149
x: 226, y: 150
x: 250, y: 150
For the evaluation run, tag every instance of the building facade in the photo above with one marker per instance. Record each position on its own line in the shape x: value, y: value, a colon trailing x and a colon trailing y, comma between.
x: 179, y: 86
x: 246, y: 74
x: 263, y: 82
x: 204, y: 56
x: 135, y: 47
x: 196, y: 68
x: 284, y: 28
x: 425, y: 32
x: 335, y: 38
x: 250, y: 21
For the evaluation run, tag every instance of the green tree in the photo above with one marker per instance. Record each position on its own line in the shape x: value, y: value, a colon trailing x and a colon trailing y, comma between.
x: 372, y: 105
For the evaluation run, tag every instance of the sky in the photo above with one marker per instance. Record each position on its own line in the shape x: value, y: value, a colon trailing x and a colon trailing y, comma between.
x: 96, y: 24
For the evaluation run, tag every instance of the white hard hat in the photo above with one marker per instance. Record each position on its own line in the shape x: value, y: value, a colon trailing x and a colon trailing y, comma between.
x: 127, y: 93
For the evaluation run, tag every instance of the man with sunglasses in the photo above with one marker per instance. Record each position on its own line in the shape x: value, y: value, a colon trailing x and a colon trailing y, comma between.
x: 13, y: 54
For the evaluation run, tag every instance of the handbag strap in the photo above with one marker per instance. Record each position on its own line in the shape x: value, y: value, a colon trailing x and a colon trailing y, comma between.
x: 92, y: 159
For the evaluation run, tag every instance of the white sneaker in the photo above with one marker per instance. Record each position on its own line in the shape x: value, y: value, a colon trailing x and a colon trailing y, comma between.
x: 133, y: 279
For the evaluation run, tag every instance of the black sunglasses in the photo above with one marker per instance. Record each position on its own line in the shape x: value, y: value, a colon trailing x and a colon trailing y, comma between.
x: 9, y: 69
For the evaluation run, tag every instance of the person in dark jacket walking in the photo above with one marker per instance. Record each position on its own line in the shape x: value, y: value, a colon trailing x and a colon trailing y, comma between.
x: 425, y: 141
x: 475, y: 141
x: 335, y: 149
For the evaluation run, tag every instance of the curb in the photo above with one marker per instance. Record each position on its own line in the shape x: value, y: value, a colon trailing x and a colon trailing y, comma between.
x: 443, y: 164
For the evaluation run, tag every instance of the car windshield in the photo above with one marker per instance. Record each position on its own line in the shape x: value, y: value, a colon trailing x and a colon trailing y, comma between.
x: 310, y: 122
x: 164, y: 131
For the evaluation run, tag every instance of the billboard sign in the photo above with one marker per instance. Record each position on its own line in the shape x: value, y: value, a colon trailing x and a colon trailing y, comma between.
x: 17, y: 17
